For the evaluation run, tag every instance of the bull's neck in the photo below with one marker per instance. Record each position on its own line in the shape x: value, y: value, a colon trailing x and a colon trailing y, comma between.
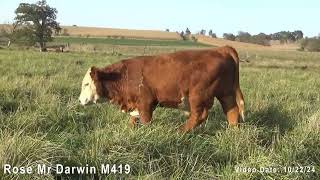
x: 114, y: 90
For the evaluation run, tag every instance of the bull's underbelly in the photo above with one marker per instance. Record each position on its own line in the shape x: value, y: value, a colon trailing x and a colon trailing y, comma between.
x: 183, y: 104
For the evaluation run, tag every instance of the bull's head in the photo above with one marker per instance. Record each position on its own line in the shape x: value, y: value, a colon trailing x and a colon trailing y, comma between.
x: 88, y: 88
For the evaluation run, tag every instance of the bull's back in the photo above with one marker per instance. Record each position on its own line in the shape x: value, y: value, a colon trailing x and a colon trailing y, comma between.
x: 171, y: 75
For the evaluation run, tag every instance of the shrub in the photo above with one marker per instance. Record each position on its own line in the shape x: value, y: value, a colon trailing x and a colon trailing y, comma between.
x: 310, y: 44
x: 194, y: 39
x: 183, y: 36
x: 65, y: 32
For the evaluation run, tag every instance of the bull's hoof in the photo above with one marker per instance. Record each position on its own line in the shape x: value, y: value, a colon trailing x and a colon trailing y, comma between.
x: 182, y: 129
x: 233, y: 126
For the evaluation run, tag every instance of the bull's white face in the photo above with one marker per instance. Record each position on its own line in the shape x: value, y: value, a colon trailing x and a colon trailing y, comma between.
x: 88, y: 90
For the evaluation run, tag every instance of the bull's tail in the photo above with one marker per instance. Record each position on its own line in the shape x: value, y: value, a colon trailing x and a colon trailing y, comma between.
x: 238, y: 93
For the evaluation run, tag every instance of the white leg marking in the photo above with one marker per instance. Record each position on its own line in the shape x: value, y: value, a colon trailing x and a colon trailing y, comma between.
x: 186, y: 113
x: 242, y: 109
x: 184, y: 105
x: 134, y: 113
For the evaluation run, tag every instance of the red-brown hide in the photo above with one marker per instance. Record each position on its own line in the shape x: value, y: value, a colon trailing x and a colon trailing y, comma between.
x: 191, y: 78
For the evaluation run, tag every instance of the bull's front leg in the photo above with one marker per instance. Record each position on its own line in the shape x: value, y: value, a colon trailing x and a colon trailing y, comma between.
x: 145, y: 112
x: 133, y: 121
x: 146, y: 104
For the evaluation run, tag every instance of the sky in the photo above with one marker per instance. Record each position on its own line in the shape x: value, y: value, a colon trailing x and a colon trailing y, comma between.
x: 222, y: 16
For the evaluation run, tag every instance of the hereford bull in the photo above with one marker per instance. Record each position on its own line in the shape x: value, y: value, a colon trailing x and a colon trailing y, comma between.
x: 188, y: 80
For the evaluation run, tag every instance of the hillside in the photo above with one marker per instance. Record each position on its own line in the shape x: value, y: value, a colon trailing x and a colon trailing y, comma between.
x: 80, y: 31
x: 128, y: 33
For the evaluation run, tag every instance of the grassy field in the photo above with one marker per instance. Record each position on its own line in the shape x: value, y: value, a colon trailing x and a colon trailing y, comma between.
x: 43, y: 123
x: 127, y: 42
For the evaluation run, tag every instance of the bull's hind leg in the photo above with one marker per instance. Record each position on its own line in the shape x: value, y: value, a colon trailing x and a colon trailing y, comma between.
x: 199, y: 113
x: 230, y: 108
x: 240, y: 102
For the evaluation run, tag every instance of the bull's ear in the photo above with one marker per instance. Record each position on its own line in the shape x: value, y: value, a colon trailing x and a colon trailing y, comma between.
x: 93, y: 72
x: 100, y: 74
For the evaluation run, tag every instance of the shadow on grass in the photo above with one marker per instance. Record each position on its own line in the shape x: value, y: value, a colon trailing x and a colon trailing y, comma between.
x: 272, y: 117
x: 273, y: 120
x: 9, y: 106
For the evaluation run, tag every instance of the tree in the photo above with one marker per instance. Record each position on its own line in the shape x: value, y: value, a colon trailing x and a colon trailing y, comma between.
x: 244, y: 36
x: 194, y: 39
x: 275, y: 36
x: 229, y: 36
x: 183, y: 36
x: 38, y: 21
x: 285, y: 36
x: 188, y: 32
x: 23, y: 36
x: 298, y: 34
x: 291, y: 36
x: 261, y: 38
x: 211, y: 34
x: 203, y: 32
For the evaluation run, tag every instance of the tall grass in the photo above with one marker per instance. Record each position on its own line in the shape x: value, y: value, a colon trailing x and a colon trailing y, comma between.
x: 42, y: 122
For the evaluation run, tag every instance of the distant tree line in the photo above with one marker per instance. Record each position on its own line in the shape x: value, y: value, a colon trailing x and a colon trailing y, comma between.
x: 264, y: 39
x: 187, y: 35
x: 308, y: 44
x: 287, y: 36
x: 261, y: 38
